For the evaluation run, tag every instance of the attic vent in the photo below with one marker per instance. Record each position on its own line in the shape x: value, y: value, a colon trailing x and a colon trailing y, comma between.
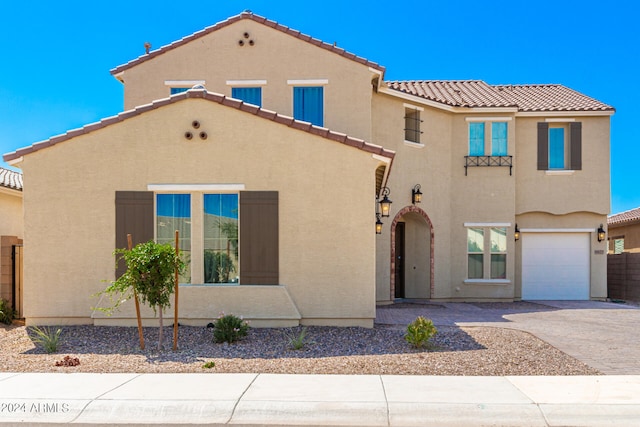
x: 246, y: 36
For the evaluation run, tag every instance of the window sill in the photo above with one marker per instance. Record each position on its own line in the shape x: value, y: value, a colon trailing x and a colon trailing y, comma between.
x: 559, y: 172
x: 487, y: 282
x: 413, y: 144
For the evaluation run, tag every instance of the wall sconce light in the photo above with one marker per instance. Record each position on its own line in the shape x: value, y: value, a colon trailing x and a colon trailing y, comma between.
x: 516, y: 233
x: 601, y: 233
x: 378, y: 224
x: 416, y: 194
x: 385, y: 203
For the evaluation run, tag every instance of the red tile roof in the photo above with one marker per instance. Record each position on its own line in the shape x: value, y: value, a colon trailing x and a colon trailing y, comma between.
x: 10, y: 179
x: 632, y: 215
x: 214, y: 97
x: 476, y: 93
x: 247, y: 15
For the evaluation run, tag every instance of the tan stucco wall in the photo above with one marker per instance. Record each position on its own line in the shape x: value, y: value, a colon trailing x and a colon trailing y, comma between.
x: 630, y: 233
x: 12, y: 222
x: 275, y: 57
x: 326, y: 251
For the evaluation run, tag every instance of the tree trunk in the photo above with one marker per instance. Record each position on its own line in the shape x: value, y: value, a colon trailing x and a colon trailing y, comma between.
x: 160, y: 331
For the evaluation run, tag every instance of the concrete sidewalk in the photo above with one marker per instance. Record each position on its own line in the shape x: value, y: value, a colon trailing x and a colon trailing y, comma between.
x: 316, y: 400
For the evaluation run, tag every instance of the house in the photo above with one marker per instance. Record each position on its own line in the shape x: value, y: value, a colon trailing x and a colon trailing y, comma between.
x: 624, y: 231
x: 280, y: 158
x: 11, y: 232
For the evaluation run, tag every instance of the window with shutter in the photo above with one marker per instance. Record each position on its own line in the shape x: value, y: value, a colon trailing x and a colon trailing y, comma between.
x: 560, y: 146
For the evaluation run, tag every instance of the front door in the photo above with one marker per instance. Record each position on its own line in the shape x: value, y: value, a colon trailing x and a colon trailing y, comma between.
x: 400, y: 260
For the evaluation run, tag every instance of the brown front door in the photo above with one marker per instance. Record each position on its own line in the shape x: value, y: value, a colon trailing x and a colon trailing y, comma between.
x: 400, y: 252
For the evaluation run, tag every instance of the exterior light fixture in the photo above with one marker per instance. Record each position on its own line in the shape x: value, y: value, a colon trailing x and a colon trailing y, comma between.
x: 601, y: 233
x: 385, y: 203
x: 378, y: 224
x: 416, y: 194
x: 516, y: 233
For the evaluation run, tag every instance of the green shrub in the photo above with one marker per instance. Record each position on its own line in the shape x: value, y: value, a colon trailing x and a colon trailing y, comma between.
x: 46, y: 338
x: 419, y: 332
x: 229, y: 328
x: 296, y: 341
x: 6, y: 312
x: 209, y: 365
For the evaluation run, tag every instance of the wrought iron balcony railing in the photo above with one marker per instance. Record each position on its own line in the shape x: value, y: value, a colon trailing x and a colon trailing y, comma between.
x: 473, y: 161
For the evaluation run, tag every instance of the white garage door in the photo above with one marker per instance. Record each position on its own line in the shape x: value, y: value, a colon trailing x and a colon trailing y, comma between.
x: 555, y: 266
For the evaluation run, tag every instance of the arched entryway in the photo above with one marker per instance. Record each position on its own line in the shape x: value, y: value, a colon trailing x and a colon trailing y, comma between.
x: 412, y: 265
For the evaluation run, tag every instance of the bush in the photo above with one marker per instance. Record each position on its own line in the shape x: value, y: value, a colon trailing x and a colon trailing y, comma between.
x: 6, y: 312
x: 296, y: 341
x: 46, y: 338
x: 419, y: 332
x: 229, y: 328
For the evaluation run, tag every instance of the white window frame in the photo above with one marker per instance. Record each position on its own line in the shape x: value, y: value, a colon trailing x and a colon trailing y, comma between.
x: 486, y: 274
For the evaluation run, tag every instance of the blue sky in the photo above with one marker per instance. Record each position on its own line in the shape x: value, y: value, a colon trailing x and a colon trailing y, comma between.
x: 56, y: 56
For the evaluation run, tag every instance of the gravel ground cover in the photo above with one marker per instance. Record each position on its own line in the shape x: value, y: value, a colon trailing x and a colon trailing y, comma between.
x: 329, y: 350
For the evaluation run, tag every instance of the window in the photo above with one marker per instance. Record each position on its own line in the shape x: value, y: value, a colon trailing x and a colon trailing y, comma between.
x: 499, y: 138
x: 476, y: 139
x: 173, y: 212
x: 308, y: 104
x: 412, y: 124
x: 175, y: 90
x: 618, y: 245
x: 493, y: 249
x: 250, y: 95
x: 221, y: 238
x: 559, y: 146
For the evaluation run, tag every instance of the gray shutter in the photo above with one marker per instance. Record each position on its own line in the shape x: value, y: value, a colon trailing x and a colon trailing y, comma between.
x: 134, y: 215
x: 543, y: 146
x: 259, y: 235
x: 576, y: 145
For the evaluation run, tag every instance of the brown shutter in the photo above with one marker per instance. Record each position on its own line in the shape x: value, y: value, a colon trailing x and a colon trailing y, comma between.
x: 134, y: 215
x: 543, y: 146
x: 259, y: 250
x: 576, y: 145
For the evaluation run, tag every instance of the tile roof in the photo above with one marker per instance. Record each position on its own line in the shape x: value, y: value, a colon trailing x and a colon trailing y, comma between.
x: 477, y: 93
x: 632, y: 215
x: 247, y: 15
x: 10, y: 179
x: 214, y: 97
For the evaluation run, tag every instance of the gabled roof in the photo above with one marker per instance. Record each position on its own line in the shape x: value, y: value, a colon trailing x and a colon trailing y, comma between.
x: 259, y: 19
x: 629, y: 216
x: 477, y: 93
x: 213, y: 97
x: 10, y: 179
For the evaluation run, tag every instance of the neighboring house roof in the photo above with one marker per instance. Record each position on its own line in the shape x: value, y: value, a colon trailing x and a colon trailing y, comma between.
x: 259, y: 19
x: 477, y: 93
x: 214, y: 97
x: 10, y: 179
x: 621, y: 218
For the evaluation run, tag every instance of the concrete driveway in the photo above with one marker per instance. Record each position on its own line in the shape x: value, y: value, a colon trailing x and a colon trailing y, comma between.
x: 604, y: 335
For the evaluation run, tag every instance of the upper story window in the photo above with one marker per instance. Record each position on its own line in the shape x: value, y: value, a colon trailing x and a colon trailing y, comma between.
x: 179, y: 86
x: 499, y: 138
x: 175, y: 90
x: 308, y: 100
x: 488, y: 140
x: 559, y: 145
x: 250, y: 95
x: 412, y: 121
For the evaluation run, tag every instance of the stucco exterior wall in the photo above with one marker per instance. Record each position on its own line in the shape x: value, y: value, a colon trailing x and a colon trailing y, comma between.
x: 629, y: 232
x: 12, y: 222
x: 275, y: 57
x: 326, y: 252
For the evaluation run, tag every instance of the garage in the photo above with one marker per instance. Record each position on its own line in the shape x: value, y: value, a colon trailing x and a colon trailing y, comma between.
x: 555, y: 266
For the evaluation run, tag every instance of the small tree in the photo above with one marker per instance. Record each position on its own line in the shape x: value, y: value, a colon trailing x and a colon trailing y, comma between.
x: 151, y: 273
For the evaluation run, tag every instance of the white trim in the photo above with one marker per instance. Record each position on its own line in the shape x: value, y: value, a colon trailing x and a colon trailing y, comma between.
x: 563, y: 120
x: 15, y: 161
x: 487, y: 224
x: 220, y: 188
x: 183, y: 83
x: 309, y: 82
x: 246, y: 82
x: 413, y: 107
x: 564, y: 113
x: 381, y: 158
x: 488, y: 119
x: 552, y: 172
x: 487, y: 282
x: 558, y: 230
x: 413, y: 144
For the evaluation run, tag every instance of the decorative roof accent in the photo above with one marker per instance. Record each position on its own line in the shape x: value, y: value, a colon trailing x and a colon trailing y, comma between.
x: 10, y: 179
x: 259, y: 19
x: 477, y: 93
x: 214, y: 97
x: 621, y: 218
